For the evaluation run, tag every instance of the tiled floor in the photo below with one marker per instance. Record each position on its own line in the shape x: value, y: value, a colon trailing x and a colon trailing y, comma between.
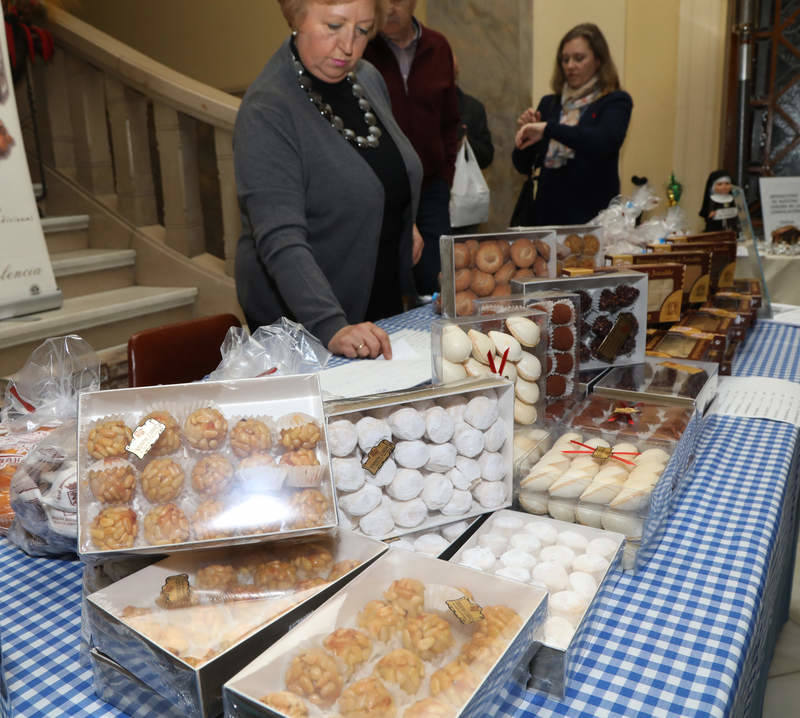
x: 783, y: 686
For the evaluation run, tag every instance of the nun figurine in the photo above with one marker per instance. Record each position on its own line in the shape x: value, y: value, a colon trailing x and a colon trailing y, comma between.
x: 719, y: 208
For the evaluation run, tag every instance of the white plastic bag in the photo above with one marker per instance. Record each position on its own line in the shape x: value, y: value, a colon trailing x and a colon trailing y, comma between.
x: 469, y: 197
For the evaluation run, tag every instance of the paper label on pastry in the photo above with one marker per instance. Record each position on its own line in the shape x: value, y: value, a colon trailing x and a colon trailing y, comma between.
x: 465, y: 610
x: 604, y: 452
x: 378, y: 455
x: 144, y: 437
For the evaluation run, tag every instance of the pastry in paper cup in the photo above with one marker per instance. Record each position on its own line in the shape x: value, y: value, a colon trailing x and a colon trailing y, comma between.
x: 112, y: 481
x: 108, y: 438
x: 259, y: 472
x: 169, y: 440
x: 205, y: 429
x: 298, y: 431
x: 250, y: 435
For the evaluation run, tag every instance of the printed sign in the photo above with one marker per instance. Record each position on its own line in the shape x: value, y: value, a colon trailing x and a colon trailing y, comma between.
x: 780, y: 205
x: 27, y: 283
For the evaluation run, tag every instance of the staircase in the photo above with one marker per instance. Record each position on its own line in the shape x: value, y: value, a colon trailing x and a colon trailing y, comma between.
x: 123, y: 214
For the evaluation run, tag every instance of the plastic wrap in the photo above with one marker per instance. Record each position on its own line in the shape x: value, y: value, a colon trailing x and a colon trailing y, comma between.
x: 619, y: 221
x: 282, y: 348
x: 45, y: 391
x: 44, y: 496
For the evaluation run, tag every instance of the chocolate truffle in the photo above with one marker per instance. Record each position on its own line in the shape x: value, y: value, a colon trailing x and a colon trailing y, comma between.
x: 585, y: 353
x: 562, y: 338
x: 608, y: 301
x: 562, y: 313
x: 626, y: 295
x: 586, y: 300
x: 602, y: 326
x: 556, y: 385
x: 564, y: 362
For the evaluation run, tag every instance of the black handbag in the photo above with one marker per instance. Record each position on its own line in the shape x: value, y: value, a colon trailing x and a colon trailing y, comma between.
x: 524, y: 214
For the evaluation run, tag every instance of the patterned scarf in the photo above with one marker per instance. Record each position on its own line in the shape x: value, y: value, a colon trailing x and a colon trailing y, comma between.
x: 573, y: 103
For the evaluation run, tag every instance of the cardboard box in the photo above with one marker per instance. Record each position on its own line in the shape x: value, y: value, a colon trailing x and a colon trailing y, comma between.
x: 680, y: 345
x: 723, y: 259
x: 664, y: 291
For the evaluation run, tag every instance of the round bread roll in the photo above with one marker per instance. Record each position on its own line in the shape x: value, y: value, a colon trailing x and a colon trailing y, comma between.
x: 489, y: 257
x: 461, y: 256
x: 523, y: 253
x: 462, y: 279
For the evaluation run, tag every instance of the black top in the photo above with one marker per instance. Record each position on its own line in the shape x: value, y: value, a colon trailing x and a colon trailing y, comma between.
x: 576, y: 192
x: 387, y: 163
x: 473, y: 119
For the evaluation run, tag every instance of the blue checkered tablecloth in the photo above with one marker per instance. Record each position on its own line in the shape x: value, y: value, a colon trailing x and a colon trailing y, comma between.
x: 687, y: 635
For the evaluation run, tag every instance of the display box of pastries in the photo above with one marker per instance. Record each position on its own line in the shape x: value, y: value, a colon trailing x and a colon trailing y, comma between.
x: 723, y: 259
x: 441, y: 541
x: 482, y: 265
x: 577, y: 245
x: 529, y: 445
x: 613, y: 315
x: 169, y: 468
x: 683, y: 344
x: 682, y: 383
x: 741, y: 304
x: 696, y: 276
x: 411, y: 636
x: 563, y: 310
x: 186, y: 624
x: 664, y: 291
x: 749, y: 287
x: 619, y: 480
x: 712, y: 320
x: 570, y: 561
x: 419, y: 459
x: 119, y: 687
x: 512, y: 345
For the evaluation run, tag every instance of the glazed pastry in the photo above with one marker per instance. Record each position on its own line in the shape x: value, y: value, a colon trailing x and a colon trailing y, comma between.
x: 499, y: 621
x: 409, y: 514
x: 249, y: 436
x: 481, y: 412
x: 427, y: 635
x: 495, y: 436
x: 209, y: 521
x: 403, y: 669
x: 162, y: 480
x: 454, y: 683
x: 350, y: 646
x: 442, y: 458
x: 312, y: 560
x: 300, y: 457
x: 315, y: 676
x: 406, y: 485
x: 205, y: 429
x: 493, y: 466
x: 437, y: 491
x: 524, y: 330
x: 529, y: 367
x: 342, y: 437
x: 462, y: 279
x: 287, y: 703
x: 482, y: 283
x: 489, y: 257
x: 505, y: 342
x: 430, y: 544
x: 411, y: 454
x: 114, y: 528
x: 407, y: 595
x: 112, y: 481
x: 482, y: 346
x: 379, y: 522
x: 109, y: 439
x: 348, y: 474
x: 481, y: 653
x: 169, y: 441
x: 469, y: 442
x: 308, y: 508
x: 461, y: 256
x: 166, y: 524
x: 460, y: 502
x: 340, y: 568
x: 367, y: 698
x: 384, y: 476
x: 523, y: 253
x: 452, y: 372
x: 274, y: 575
x: 216, y: 577
x: 212, y: 475
x: 429, y: 708
x: 526, y: 391
x: 380, y: 620
x: 524, y: 413
x: 371, y: 432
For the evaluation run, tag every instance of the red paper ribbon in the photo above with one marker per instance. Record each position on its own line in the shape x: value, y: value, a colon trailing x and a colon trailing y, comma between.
x: 614, y: 454
x: 492, y: 366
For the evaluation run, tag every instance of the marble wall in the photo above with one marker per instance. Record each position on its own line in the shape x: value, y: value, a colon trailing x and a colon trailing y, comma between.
x: 493, y: 42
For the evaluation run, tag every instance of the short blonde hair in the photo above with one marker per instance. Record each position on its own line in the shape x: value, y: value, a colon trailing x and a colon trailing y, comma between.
x: 294, y: 11
x: 606, y: 73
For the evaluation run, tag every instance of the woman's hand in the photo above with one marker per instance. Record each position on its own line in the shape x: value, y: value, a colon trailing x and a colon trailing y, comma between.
x: 529, y: 134
x: 361, y: 341
x: 417, y: 243
x: 530, y: 115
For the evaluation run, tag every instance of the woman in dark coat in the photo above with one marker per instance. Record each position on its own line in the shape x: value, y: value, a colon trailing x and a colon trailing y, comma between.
x: 571, y: 142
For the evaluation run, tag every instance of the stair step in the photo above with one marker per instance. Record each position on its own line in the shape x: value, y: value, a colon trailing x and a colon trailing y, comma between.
x: 103, y: 319
x: 66, y: 233
x: 88, y: 271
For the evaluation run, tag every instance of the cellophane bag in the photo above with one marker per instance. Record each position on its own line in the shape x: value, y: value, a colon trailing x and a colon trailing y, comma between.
x: 44, y: 496
x: 282, y: 348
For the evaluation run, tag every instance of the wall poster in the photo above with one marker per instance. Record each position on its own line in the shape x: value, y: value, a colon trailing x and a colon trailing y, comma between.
x: 27, y: 283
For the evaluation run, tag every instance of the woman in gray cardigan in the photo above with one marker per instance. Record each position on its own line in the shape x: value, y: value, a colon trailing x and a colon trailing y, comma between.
x: 328, y: 184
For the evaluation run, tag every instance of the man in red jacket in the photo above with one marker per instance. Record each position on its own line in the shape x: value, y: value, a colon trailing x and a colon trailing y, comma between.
x: 417, y: 64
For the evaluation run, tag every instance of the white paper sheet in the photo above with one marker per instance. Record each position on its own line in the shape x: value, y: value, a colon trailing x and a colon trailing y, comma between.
x: 758, y: 398
x: 410, y: 366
